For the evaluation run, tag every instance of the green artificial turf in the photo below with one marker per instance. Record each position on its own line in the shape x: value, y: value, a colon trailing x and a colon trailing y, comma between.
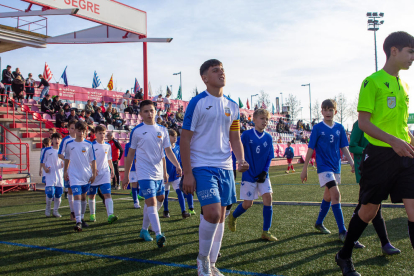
x: 299, y: 251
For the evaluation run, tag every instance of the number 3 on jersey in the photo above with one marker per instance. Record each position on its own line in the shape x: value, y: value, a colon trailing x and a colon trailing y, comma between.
x: 332, y: 138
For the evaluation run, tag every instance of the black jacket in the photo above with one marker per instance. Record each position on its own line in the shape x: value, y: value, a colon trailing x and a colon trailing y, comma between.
x: 98, y: 117
x: 60, y: 119
x: 6, y: 77
x: 70, y: 117
x: 57, y: 105
x: 43, y: 82
x: 46, y: 105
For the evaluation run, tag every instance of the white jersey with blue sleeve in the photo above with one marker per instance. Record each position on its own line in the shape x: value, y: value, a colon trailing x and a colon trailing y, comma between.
x: 126, y: 150
x: 41, y: 154
x: 327, y: 142
x: 149, y: 141
x: 171, y: 169
x: 80, y: 154
x: 258, y: 149
x: 52, y: 161
x: 103, y: 154
x: 211, y: 119
x: 62, y: 147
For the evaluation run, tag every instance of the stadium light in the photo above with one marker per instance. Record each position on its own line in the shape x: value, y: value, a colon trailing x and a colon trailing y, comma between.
x: 310, y: 102
x: 251, y: 98
x: 181, y: 84
x: 373, y: 25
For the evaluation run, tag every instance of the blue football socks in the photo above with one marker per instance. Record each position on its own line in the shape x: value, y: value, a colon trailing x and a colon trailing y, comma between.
x: 135, y: 195
x: 339, y: 217
x: 267, y: 217
x: 180, y: 196
x: 190, y: 201
x: 167, y: 192
x: 325, y: 206
x: 239, y: 211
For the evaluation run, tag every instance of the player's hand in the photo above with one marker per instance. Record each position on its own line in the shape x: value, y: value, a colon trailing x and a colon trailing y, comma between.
x: 66, y: 176
x: 189, y: 184
x: 47, y: 170
x: 92, y: 179
x: 125, y: 181
x: 40, y: 172
x: 179, y: 171
x: 112, y: 175
x: 166, y: 176
x: 402, y: 148
x: 304, y: 175
x: 353, y: 168
x: 243, y: 166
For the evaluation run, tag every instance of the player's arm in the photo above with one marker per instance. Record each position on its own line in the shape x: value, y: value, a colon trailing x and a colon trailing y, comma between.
x: 171, y: 156
x: 237, y: 146
x: 93, y: 167
x: 121, y: 150
x: 128, y: 164
x: 164, y: 164
x: 412, y: 138
x: 43, y: 166
x: 111, y: 166
x: 348, y: 156
x: 62, y: 150
x: 66, y: 167
x: 189, y: 183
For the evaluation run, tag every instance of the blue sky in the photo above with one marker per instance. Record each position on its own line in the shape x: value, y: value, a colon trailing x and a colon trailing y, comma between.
x: 273, y: 46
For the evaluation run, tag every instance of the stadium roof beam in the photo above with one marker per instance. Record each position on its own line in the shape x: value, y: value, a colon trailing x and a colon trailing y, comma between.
x: 39, y: 13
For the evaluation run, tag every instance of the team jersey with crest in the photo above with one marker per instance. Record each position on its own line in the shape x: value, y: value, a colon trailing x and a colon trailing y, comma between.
x: 386, y: 98
x: 41, y: 154
x: 127, y: 146
x: 171, y: 169
x: 62, y: 147
x: 149, y: 141
x: 211, y: 119
x: 80, y: 154
x: 52, y: 161
x: 327, y: 142
x: 258, y: 149
x: 103, y: 153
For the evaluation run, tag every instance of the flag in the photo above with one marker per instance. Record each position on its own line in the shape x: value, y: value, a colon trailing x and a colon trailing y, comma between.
x: 168, y: 91
x: 136, y: 86
x: 240, y: 104
x: 247, y: 104
x: 273, y: 109
x: 263, y: 105
x: 149, y: 90
x: 111, y: 83
x: 47, y: 74
x: 196, y: 91
x: 96, y: 82
x: 65, y: 77
x: 179, y: 96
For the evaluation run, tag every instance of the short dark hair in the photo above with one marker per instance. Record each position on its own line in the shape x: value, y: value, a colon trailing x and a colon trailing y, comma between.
x: 398, y: 40
x: 88, y: 112
x: 56, y: 135
x: 172, y: 132
x: 100, y: 128
x: 46, y: 141
x: 81, y: 125
x: 207, y: 64
x: 72, y: 122
x: 329, y: 103
x: 145, y: 103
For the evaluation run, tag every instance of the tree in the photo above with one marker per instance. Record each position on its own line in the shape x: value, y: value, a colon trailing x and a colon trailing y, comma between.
x: 341, y: 107
x: 263, y: 97
x: 353, y: 110
x: 293, y: 104
x: 194, y: 92
x: 316, y: 111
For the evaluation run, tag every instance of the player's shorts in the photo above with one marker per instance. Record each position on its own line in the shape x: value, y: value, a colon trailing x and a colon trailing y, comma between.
x: 80, y: 189
x: 326, y: 177
x: 383, y: 173
x: 215, y: 185
x: 52, y: 191
x: 175, y: 184
x: 67, y: 184
x: 252, y: 190
x: 151, y: 188
x: 133, y: 177
x: 105, y: 189
x: 289, y: 160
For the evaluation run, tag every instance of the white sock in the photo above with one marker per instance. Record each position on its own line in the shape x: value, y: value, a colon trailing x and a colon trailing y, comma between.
x: 70, y: 199
x: 215, y: 248
x: 77, y: 210
x: 83, y: 210
x: 201, y: 217
x: 146, y: 221
x: 227, y: 213
x: 48, y: 203
x: 159, y: 205
x: 57, y: 204
x: 92, y: 206
x: 154, y: 219
x: 109, y: 203
x: 206, y: 233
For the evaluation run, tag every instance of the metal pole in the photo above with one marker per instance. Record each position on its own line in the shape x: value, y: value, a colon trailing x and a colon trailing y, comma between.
x: 310, y: 105
x: 251, y: 100
x: 375, y: 43
x: 181, y: 86
x: 145, y: 71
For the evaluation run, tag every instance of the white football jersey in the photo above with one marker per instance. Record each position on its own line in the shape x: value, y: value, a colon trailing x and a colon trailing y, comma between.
x: 80, y: 154
x: 62, y: 147
x: 103, y: 153
x: 52, y: 161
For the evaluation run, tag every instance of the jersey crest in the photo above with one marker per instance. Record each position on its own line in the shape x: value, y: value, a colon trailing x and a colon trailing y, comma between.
x: 83, y: 149
x: 338, y: 132
x: 159, y: 135
x: 227, y: 111
x: 391, y: 102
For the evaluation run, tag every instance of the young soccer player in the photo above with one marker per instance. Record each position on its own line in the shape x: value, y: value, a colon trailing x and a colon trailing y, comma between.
x: 105, y: 172
x: 46, y: 142
x: 174, y: 181
x: 61, y: 152
x: 211, y: 125
x: 289, y: 153
x: 327, y: 139
x: 388, y: 165
x: 148, y: 142
x: 53, y: 168
x: 259, y: 152
x: 133, y: 180
x: 80, y: 170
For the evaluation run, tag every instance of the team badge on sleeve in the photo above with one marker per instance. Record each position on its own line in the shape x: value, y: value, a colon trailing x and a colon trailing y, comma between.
x: 391, y: 102
x: 159, y: 135
x: 227, y: 111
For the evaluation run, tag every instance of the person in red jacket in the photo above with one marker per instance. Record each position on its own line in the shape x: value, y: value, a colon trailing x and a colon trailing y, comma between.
x: 117, y: 153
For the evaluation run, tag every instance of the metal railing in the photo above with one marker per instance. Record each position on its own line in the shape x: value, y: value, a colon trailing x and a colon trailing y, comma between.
x: 17, y: 149
x: 39, y: 24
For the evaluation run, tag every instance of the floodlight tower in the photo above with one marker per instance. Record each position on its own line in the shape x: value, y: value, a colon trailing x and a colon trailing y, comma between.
x: 373, y: 25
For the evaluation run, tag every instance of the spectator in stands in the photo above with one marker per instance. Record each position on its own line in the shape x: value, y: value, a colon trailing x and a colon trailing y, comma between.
x: 46, y: 86
x: 127, y: 95
x: 124, y: 106
x: 110, y: 105
x: 82, y: 115
x: 18, y: 88
x: 103, y: 107
x: 92, y: 135
x: 157, y: 98
x: 89, y: 107
x: 179, y: 116
x: 158, y: 116
x: 56, y: 103
x: 60, y: 119
x: 95, y: 106
x: 139, y: 95
x: 6, y: 80
x: 17, y: 73
x: 243, y: 127
x: 168, y: 114
x: 98, y: 116
x: 51, y: 132
x: 108, y: 116
x: 66, y: 108
x: 117, y: 121
x: 159, y: 120
x: 256, y: 107
x: 313, y: 122
x: 135, y: 107
x: 72, y: 116
x: 304, y: 140
x: 287, y: 129
x: 88, y: 118
x: 46, y: 105
x: 117, y: 153
x: 307, y: 127
x: 279, y: 140
x: 30, y: 83
x: 167, y: 102
x: 2, y: 90
x: 279, y: 127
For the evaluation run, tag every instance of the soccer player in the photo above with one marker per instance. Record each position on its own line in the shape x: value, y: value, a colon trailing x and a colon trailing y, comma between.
x: 80, y: 170
x: 211, y: 125
x: 148, y: 142
x: 388, y: 165
x: 259, y: 152
x: 53, y: 168
x: 289, y: 153
x: 327, y: 139
x: 105, y: 172
x: 174, y: 181
x: 61, y: 152
x: 133, y: 180
x: 46, y: 142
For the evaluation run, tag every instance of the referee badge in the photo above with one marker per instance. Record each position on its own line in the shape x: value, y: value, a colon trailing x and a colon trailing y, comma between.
x: 227, y: 111
x: 391, y: 102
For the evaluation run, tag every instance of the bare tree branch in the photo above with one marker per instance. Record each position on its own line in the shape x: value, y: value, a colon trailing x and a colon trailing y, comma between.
x: 293, y: 104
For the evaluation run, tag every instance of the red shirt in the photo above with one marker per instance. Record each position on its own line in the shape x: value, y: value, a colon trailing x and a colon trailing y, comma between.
x: 92, y: 137
x: 103, y: 109
x: 116, y: 149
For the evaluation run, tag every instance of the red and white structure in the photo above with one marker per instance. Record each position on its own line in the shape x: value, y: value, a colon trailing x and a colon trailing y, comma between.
x: 47, y: 74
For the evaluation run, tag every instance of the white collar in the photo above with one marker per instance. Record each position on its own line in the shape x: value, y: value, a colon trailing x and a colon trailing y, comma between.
x: 331, y: 127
